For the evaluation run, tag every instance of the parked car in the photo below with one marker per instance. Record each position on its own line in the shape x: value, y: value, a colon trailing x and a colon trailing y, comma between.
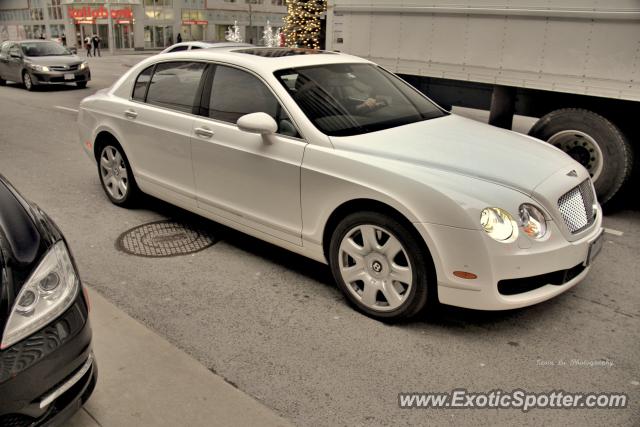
x: 201, y: 45
x: 335, y: 158
x: 47, y: 368
x: 41, y: 62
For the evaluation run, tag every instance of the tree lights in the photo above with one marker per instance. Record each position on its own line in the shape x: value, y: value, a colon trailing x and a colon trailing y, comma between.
x: 302, y: 23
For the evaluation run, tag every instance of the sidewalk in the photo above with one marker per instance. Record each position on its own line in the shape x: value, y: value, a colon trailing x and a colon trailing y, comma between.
x: 143, y: 380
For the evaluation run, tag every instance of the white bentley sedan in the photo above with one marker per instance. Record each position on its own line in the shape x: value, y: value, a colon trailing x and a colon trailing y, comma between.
x: 335, y: 158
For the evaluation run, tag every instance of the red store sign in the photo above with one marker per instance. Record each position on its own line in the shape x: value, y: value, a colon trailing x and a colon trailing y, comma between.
x: 88, y: 12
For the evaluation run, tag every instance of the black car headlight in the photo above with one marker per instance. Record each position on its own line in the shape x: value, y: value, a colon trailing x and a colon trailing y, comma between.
x: 50, y: 291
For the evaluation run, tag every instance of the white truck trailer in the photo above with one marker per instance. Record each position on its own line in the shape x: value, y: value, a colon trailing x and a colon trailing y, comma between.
x: 575, y: 64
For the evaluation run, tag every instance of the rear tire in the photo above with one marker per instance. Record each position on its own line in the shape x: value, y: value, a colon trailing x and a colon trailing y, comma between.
x: 596, y: 143
x: 116, y: 175
x: 374, y: 272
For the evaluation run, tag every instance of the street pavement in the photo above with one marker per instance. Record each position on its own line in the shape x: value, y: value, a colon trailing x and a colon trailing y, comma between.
x: 274, y: 325
x: 146, y: 381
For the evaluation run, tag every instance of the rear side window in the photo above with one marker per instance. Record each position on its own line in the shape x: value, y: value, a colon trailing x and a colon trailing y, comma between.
x: 140, y: 88
x: 179, y: 48
x: 175, y: 84
x: 195, y: 47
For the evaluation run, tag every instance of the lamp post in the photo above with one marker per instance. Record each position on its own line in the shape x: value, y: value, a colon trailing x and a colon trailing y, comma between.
x: 110, y: 25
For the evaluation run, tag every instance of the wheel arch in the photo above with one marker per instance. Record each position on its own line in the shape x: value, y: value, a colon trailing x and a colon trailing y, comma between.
x: 102, y: 137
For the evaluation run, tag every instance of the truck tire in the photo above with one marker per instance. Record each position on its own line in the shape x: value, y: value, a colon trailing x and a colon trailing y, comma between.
x: 594, y: 142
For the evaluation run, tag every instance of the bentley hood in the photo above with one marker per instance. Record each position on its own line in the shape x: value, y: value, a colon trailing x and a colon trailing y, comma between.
x: 467, y: 147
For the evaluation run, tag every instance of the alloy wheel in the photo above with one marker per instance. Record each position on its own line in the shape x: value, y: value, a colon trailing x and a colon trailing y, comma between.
x: 375, y: 267
x: 113, y: 172
x: 26, y: 78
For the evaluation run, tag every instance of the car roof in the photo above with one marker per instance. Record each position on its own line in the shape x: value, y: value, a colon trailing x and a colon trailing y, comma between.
x: 264, y: 58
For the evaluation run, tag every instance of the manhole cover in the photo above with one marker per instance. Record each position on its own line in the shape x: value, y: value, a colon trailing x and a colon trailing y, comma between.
x: 164, y: 239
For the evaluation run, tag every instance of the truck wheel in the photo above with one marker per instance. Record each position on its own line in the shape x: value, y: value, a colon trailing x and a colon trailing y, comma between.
x: 594, y: 142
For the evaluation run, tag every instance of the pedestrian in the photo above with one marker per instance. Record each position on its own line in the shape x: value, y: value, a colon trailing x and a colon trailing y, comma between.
x: 96, y: 44
x: 63, y: 38
x: 179, y: 38
x: 87, y: 45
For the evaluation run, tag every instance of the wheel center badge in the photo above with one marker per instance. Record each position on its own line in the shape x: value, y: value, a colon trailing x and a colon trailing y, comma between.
x: 377, y: 267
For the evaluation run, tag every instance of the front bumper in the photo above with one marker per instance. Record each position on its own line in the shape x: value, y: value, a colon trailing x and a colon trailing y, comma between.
x: 42, y: 380
x: 60, y: 77
x: 456, y: 249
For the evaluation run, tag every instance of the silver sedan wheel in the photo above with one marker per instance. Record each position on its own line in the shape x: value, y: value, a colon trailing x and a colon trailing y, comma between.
x: 375, y: 267
x: 27, y: 81
x: 113, y: 172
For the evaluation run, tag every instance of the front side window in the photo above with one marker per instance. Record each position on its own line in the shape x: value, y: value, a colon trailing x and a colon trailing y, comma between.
x: 235, y: 93
x: 175, y: 85
x: 353, y: 99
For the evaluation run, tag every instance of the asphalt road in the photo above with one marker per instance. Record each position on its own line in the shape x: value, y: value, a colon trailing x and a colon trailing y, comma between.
x: 273, y: 323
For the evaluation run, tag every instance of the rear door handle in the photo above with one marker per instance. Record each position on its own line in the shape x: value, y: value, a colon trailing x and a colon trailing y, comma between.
x: 130, y: 114
x: 204, y: 132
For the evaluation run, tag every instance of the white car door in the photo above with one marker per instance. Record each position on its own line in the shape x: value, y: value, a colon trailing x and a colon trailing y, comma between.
x: 248, y: 178
x: 158, y: 123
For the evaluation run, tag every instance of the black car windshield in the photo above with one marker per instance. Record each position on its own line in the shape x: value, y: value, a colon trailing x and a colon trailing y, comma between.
x: 43, y: 49
x: 352, y: 99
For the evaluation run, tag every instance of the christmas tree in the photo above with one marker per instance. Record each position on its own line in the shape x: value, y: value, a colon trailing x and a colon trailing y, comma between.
x: 271, y: 38
x: 233, y: 33
x: 302, y: 23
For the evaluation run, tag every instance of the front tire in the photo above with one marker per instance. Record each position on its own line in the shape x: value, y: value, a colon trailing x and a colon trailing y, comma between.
x: 116, y: 176
x: 380, y: 266
x: 594, y: 142
x: 81, y: 85
x: 27, y: 81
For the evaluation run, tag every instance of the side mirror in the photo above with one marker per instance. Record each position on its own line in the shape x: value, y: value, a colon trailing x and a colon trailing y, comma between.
x: 261, y: 123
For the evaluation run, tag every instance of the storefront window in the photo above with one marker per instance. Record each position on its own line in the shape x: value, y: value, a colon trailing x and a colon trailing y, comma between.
x: 158, y: 36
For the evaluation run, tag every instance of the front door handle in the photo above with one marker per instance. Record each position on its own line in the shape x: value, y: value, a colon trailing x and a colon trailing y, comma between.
x: 130, y: 114
x: 204, y: 132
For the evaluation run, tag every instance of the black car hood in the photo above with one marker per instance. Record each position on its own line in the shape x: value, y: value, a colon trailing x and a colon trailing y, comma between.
x: 26, y: 233
x: 17, y: 226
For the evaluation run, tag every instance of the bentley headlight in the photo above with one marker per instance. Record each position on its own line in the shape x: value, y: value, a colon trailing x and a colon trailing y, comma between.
x: 49, y: 292
x: 533, y: 222
x: 499, y: 224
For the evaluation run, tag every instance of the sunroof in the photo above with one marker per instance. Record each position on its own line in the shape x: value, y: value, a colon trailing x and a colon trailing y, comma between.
x: 276, y: 52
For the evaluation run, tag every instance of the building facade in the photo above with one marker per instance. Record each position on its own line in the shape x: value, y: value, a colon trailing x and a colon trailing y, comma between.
x: 138, y: 24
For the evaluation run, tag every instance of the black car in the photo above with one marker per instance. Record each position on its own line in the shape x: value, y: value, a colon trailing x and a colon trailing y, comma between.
x: 41, y: 62
x: 47, y: 367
